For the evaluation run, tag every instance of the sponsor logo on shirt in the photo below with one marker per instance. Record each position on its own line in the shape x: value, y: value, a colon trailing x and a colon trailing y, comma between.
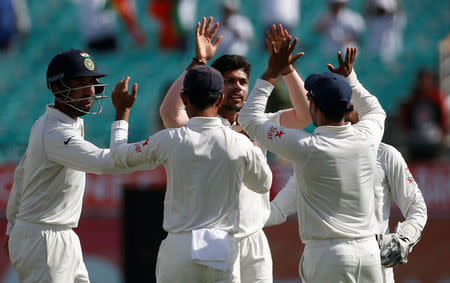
x: 279, y: 134
x: 272, y: 131
x: 409, y: 177
x: 68, y: 140
x: 137, y: 148
x: 146, y: 142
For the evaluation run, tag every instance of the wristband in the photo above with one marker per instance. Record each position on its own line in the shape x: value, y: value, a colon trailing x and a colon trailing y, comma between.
x: 198, y: 61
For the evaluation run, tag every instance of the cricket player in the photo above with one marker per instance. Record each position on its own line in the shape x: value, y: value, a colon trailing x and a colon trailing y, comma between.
x: 47, y: 194
x: 254, y: 209
x: 334, y: 168
x: 206, y: 164
x: 393, y: 181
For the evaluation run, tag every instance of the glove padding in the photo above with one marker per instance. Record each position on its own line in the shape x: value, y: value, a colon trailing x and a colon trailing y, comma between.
x: 395, y: 247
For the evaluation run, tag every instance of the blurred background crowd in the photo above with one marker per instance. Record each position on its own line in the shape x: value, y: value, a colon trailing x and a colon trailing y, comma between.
x: 403, y: 56
x: 403, y: 59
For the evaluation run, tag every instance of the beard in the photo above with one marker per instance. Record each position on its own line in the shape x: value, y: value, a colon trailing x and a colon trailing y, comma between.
x: 78, y: 110
x: 229, y: 107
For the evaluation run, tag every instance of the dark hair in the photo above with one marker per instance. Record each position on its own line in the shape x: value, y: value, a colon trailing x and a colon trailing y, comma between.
x: 227, y: 63
x: 201, y: 101
x: 333, y: 116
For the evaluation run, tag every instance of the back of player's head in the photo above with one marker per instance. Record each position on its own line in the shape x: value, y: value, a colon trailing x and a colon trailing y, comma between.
x: 228, y: 63
x: 202, y: 85
x: 331, y: 93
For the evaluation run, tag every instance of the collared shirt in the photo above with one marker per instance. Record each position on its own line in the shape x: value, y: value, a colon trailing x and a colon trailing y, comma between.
x: 206, y: 163
x: 334, y: 166
x: 254, y: 208
x: 49, y: 180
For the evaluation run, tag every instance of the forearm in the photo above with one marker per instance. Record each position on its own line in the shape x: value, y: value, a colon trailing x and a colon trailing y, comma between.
x: 252, y: 114
x: 364, y: 102
x: 284, y: 204
x: 298, y: 117
x: 416, y: 212
x: 12, y: 208
x: 172, y: 110
x: 276, y: 217
x: 13, y: 201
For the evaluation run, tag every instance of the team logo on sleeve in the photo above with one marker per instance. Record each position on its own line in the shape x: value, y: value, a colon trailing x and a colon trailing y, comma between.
x: 408, y: 175
x: 274, y: 131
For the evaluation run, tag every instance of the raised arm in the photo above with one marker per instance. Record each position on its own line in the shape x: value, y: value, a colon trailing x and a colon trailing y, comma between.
x: 278, y: 139
x: 70, y: 149
x: 172, y: 109
x: 146, y: 154
x: 371, y: 114
x: 297, y: 117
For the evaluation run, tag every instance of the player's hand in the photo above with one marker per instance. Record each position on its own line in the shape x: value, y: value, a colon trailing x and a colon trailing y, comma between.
x: 205, y: 47
x: 280, y: 57
x: 120, y: 97
x: 277, y: 36
x: 395, y: 251
x: 6, y: 245
x: 345, y: 66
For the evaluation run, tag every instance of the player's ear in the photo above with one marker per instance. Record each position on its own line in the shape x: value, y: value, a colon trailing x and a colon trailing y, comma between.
x: 184, y: 98
x: 219, y: 101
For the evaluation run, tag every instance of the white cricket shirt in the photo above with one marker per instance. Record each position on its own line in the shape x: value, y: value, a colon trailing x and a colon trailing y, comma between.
x: 206, y: 164
x: 254, y: 208
x: 334, y: 166
x: 49, y: 180
x: 393, y: 181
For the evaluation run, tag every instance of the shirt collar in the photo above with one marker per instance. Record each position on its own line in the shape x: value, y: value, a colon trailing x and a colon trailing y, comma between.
x: 204, y: 121
x: 333, y: 130
x: 225, y: 122
x: 51, y: 110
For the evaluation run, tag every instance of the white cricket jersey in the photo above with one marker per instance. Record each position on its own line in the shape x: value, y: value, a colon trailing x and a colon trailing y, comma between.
x: 206, y: 164
x: 393, y: 181
x: 254, y: 208
x: 49, y: 180
x: 334, y: 166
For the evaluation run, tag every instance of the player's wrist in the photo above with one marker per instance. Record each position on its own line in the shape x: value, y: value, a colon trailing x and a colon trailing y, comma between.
x: 200, y: 60
x: 122, y: 114
x: 286, y: 71
x: 270, y: 76
x: 197, y: 61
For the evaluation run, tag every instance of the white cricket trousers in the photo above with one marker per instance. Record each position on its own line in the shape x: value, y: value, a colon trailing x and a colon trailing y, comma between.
x: 341, y: 260
x: 175, y: 264
x: 255, y: 259
x: 388, y: 274
x: 46, y: 253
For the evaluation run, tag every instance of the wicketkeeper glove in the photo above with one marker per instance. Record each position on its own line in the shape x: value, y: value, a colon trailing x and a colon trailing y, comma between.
x: 395, y: 247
